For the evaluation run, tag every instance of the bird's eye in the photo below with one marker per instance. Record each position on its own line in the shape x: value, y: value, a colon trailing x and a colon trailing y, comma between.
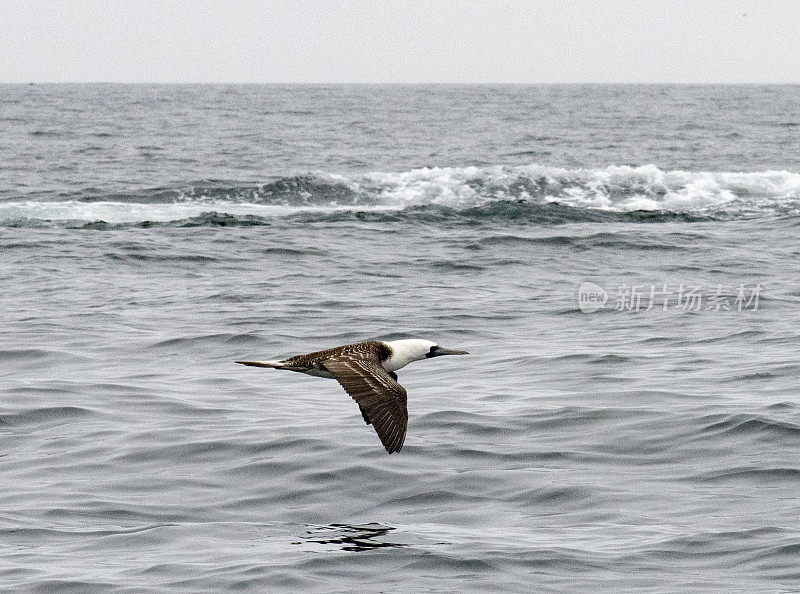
x: 432, y: 352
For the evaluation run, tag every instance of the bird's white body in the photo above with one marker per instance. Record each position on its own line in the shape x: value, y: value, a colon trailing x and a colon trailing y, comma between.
x: 405, y: 352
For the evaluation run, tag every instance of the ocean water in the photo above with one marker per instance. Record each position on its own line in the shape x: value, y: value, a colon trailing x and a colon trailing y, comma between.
x: 621, y: 262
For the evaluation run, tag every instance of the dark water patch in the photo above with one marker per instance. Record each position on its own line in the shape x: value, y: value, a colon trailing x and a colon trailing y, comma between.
x: 561, y: 497
x: 49, y: 391
x: 684, y: 268
x: 656, y: 340
x: 59, y: 586
x: 789, y: 370
x: 755, y: 425
x: 96, y: 226
x: 541, y: 561
x: 585, y: 242
x: 190, y: 452
x: 501, y: 262
x: 687, y: 236
x: 295, y: 190
x: 528, y: 456
x: 271, y: 497
x: 189, y: 258
x: 568, y: 357
x: 456, y: 564
x: 88, y: 150
x: 576, y: 311
x: 354, y: 538
x: 380, y: 274
x: 218, y: 219
x: 616, y: 242
x: 49, y: 133
x: 733, y: 336
x: 449, y: 265
x: 555, y: 213
x: 273, y: 462
x: 471, y: 424
x: 434, y: 499
x: 789, y: 550
x: 609, y: 359
x: 150, y: 400
x: 360, y: 473
x: 721, y: 548
x: 30, y: 535
x: 26, y: 354
x: 207, y: 219
x: 516, y: 240
x: 48, y: 414
x: 284, y: 445
x: 210, y: 339
x: 515, y: 363
x: 118, y: 513
x: 286, y: 251
x: 32, y: 245
x: 783, y: 406
x: 530, y: 153
x: 573, y: 416
x: 755, y: 376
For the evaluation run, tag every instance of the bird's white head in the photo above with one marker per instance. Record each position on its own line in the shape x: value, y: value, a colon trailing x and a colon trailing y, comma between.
x: 406, y: 351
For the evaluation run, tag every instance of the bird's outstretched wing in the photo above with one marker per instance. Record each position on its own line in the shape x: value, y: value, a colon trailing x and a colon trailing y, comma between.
x: 382, y: 400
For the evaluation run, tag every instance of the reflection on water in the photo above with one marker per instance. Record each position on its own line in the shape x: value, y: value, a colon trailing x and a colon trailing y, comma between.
x: 351, y: 538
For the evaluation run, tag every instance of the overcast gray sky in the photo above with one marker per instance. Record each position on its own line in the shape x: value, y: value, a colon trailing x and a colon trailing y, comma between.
x: 696, y: 41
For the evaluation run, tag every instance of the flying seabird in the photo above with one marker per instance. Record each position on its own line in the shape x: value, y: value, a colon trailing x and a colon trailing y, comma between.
x: 366, y: 370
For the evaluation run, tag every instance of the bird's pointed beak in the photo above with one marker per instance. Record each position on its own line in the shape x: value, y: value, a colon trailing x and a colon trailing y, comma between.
x: 443, y: 351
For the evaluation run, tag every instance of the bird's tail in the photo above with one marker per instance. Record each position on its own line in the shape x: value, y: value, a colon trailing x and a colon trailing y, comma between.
x: 270, y: 364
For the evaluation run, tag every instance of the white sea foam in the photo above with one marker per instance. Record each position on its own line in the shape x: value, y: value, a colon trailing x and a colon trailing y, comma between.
x: 134, y: 212
x: 619, y: 188
x: 615, y: 188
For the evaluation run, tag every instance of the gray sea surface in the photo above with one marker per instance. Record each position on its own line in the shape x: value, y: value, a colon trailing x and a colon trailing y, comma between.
x: 621, y: 262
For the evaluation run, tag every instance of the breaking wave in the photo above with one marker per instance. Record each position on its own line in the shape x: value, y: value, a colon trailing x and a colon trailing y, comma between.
x: 529, y: 192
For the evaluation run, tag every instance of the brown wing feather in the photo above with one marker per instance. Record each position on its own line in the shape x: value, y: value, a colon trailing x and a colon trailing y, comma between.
x: 368, y: 349
x: 382, y: 400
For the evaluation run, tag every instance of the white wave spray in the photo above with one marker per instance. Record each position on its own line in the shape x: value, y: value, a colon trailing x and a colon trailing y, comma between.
x: 614, y: 188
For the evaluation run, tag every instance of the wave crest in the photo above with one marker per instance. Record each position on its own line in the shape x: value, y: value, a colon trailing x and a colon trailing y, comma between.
x: 641, y: 193
x: 616, y: 188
